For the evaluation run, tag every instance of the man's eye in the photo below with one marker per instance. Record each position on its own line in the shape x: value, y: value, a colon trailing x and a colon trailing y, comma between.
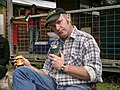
x: 59, y: 22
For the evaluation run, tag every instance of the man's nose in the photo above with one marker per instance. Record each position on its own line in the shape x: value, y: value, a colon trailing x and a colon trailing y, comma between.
x: 57, y: 26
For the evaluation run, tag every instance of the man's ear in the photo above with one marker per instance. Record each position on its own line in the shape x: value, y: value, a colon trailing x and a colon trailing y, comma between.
x: 68, y: 18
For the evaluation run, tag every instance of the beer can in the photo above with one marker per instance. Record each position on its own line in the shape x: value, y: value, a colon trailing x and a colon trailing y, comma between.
x: 55, y: 50
x: 19, y: 60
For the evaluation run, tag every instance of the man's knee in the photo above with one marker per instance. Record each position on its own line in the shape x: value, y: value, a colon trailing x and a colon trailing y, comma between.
x: 19, y: 70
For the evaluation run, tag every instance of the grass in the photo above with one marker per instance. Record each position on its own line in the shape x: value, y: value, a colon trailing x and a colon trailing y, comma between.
x: 107, y: 86
x: 100, y: 86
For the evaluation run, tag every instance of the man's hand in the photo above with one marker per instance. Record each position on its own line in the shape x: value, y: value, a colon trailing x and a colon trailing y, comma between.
x: 24, y: 60
x: 57, y: 61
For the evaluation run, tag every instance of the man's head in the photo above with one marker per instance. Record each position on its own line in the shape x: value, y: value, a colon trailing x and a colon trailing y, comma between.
x: 54, y: 14
x: 60, y: 22
x: 33, y: 9
x: 33, y: 6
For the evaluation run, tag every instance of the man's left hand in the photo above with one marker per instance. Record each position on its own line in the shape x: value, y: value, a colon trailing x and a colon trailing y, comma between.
x: 57, y: 61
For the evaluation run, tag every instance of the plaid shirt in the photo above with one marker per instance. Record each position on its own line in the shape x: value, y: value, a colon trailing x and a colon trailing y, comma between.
x: 80, y: 49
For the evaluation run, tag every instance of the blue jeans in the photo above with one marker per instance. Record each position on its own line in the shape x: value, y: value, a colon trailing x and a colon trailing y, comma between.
x: 34, y: 36
x: 27, y: 79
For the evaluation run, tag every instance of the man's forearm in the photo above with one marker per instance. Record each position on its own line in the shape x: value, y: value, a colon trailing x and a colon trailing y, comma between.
x: 78, y: 72
x: 36, y: 69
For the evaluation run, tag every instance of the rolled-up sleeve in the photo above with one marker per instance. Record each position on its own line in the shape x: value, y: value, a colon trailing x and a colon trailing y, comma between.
x: 45, y: 71
x: 91, y: 73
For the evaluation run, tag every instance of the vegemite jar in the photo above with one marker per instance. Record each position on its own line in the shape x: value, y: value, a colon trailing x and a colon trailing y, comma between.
x: 19, y: 60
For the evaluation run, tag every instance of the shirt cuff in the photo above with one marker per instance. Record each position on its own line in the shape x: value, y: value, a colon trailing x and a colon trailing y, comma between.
x: 91, y: 73
x: 45, y: 71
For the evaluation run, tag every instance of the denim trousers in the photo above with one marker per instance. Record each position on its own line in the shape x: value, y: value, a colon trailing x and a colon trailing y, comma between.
x: 27, y: 79
x: 34, y: 36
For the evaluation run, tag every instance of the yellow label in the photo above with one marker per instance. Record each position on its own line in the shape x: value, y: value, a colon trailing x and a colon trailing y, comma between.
x: 51, y: 13
x: 17, y: 57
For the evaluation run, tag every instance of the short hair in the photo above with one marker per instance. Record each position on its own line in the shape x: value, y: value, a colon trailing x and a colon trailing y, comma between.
x: 33, y: 5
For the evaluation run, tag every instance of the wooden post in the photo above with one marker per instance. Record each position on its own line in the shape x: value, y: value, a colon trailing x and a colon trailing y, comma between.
x: 10, y: 28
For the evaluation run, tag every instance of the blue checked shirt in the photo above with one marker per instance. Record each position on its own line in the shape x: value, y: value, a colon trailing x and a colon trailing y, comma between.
x: 80, y: 49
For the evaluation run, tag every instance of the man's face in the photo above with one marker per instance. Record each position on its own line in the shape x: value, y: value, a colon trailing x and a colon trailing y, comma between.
x: 61, y: 26
x: 33, y: 9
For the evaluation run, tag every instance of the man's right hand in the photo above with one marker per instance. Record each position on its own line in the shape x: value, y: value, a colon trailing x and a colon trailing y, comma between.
x: 25, y: 61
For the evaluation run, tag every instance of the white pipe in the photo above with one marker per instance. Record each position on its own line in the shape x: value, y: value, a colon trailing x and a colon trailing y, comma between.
x: 94, y: 9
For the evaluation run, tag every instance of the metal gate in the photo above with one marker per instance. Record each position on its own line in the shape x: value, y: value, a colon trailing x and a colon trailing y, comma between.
x: 104, y: 24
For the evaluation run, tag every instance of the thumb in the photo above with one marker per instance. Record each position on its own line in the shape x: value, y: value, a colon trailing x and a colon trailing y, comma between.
x: 62, y: 55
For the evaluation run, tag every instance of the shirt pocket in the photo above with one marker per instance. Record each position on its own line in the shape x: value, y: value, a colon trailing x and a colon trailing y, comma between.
x: 75, y: 57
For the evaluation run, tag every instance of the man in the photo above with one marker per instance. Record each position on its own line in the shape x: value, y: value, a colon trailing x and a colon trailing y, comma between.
x: 4, y: 56
x: 33, y: 27
x: 78, y: 65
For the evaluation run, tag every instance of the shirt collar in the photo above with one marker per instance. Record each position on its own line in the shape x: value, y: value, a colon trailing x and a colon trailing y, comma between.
x: 73, y: 34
